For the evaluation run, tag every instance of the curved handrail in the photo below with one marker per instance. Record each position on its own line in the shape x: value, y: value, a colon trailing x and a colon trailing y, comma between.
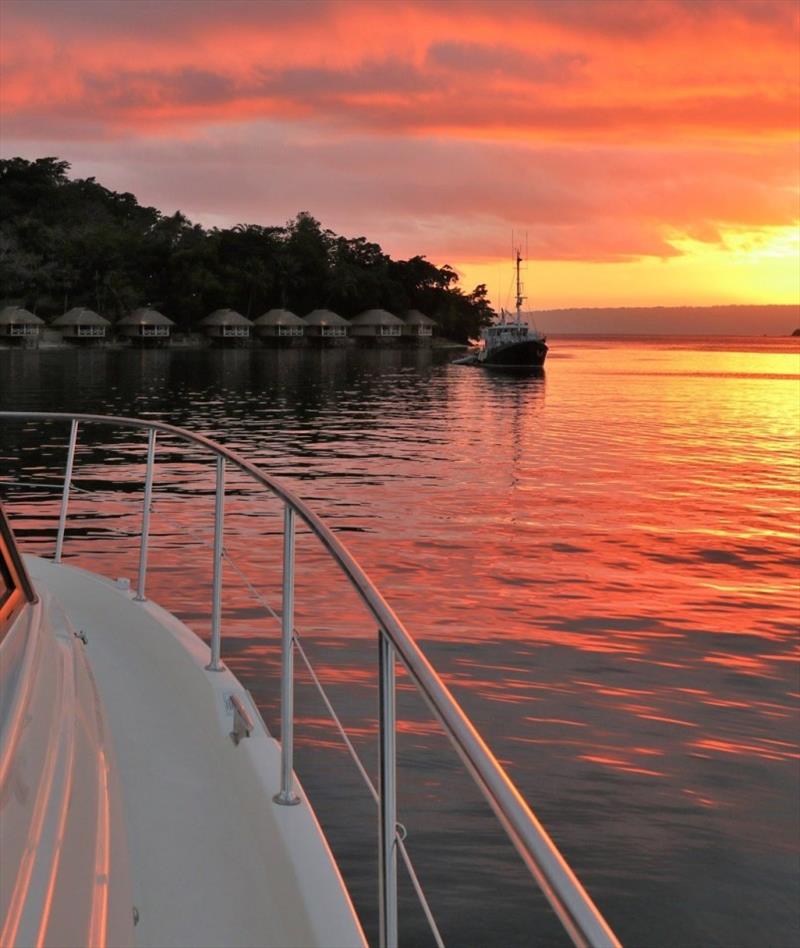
x: 570, y: 901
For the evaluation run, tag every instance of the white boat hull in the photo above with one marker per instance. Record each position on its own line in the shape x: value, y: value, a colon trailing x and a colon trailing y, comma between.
x: 212, y: 860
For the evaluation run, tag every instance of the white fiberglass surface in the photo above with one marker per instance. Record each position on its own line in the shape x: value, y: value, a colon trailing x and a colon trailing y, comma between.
x: 214, y: 861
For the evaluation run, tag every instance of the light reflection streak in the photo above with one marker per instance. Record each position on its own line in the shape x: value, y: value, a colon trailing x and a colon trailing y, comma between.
x: 745, y: 750
x: 699, y: 798
x: 616, y: 763
x: 98, y: 923
x: 748, y: 665
x: 676, y: 721
x: 306, y: 722
x: 38, y: 811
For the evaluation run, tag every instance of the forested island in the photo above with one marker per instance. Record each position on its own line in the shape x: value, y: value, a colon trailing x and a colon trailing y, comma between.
x: 72, y: 242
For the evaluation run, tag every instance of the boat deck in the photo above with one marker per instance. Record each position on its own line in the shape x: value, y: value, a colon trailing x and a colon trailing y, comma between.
x: 213, y: 860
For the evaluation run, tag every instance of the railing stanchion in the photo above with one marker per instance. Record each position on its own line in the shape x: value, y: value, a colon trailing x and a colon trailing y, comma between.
x: 286, y: 796
x: 148, y: 498
x: 62, y: 517
x: 216, y: 588
x: 387, y: 789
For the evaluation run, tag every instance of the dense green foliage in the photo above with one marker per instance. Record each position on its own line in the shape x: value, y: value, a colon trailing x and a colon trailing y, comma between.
x: 67, y: 243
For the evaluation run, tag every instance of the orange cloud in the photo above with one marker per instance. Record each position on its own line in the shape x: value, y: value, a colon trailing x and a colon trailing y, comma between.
x: 610, y: 131
x: 542, y: 68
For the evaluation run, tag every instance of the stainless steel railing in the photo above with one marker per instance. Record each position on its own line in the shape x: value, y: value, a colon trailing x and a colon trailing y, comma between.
x: 573, y: 906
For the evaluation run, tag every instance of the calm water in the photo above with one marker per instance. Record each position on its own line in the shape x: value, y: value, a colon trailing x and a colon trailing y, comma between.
x: 602, y: 563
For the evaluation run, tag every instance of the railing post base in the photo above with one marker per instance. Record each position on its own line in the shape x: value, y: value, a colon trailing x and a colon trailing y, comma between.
x: 286, y: 799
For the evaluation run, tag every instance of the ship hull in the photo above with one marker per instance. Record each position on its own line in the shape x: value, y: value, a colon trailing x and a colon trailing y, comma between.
x: 528, y: 354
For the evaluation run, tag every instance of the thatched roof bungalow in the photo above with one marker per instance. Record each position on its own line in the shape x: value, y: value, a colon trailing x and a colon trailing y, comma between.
x: 82, y: 326
x: 281, y: 327
x: 226, y: 327
x: 20, y: 327
x: 418, y: 326
x: 325, y: 327
x: 146, y: 327
x: 377, y: 326
x: 418, y: 323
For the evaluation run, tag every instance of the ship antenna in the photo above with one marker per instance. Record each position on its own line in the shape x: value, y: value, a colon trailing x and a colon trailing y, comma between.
x: 520, y: 297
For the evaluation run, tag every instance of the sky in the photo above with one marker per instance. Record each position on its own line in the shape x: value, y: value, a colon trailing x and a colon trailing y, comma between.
x: 642, y: 153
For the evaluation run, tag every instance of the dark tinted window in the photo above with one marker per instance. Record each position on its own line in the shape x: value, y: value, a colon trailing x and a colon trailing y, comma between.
x: 15, y: 587
x: 6, y: 584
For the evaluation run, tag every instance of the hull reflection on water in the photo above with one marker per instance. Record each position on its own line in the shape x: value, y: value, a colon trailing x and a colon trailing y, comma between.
x: 602, y: 563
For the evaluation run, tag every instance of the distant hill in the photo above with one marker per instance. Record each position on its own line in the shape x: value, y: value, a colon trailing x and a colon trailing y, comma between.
x: 752, y: 320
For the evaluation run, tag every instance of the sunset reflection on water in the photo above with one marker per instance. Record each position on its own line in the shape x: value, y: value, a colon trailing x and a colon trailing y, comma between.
x: 602, y: 563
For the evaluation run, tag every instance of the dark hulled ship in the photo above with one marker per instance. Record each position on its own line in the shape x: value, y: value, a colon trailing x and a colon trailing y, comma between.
x: 510, y: 343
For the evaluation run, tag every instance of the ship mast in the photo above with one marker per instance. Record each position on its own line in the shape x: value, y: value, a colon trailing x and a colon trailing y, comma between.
x: 520, y: 298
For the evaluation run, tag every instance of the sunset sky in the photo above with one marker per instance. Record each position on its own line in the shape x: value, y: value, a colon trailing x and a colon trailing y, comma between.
x: 648, y: 149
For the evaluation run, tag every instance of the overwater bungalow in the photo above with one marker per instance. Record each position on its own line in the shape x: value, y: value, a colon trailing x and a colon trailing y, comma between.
x: 326, y: 328
x: 146, y: 328
x: 377, y: 327
x: 82, y: 326
x: 281, y: 327
x: 226, y: 327
x: 19, y: 327
x: 418, y: 328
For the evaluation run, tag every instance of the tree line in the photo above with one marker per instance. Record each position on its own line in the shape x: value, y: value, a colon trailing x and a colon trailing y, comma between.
x: 72, y: 242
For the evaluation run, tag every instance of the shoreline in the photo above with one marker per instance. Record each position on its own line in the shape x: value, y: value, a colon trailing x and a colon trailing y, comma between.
x: 52, y: 341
